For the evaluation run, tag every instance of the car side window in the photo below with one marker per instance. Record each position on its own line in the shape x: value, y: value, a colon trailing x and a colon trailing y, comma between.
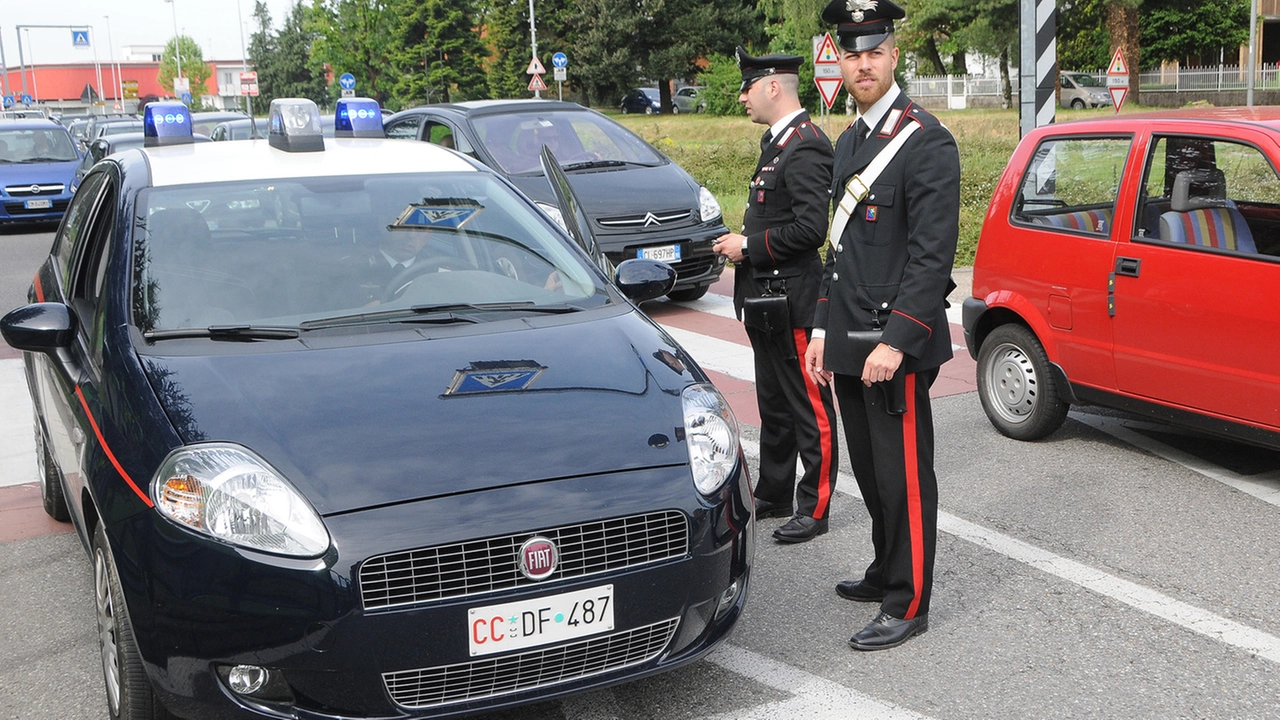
x: 405, y: 128
x: 89, y: 263
x: 1210, y: 194
x: 73, y: 225
x: 1071, y: 185
x: 442, y: 134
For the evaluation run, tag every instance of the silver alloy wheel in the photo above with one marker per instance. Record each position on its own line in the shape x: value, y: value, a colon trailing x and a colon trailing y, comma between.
x: 1012, y: 383
x: 107, y: 629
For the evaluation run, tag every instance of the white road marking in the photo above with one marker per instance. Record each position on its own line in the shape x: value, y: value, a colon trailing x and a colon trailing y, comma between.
x: 17, y: 440
x: 1203, y: 622
x: 811, y: 697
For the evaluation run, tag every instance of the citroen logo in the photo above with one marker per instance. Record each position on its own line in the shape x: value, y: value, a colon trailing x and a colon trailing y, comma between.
x: 650, y: 219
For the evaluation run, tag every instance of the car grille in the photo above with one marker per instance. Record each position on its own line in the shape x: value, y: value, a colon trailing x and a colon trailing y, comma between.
x: 25, y: 190
x: 481, y: 566
x: 429, y: 687
x: 659, y: 218
x: 19, y: 209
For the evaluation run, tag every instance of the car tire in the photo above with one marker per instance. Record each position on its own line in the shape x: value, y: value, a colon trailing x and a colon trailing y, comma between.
x: 1077, y: 104
x: 55, y: 503
x: 648, y: 110
x: 129, y: 693
x: 689, y: 294
x: 1015, y: 385
x: 626, y: 110
x: 675, y: 109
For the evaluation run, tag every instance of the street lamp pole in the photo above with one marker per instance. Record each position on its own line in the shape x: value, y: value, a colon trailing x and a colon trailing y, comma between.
x: 177, y: 50
x: 115, y: 64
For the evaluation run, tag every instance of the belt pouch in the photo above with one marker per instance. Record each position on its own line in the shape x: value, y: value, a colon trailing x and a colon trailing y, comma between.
x: 768, y: 314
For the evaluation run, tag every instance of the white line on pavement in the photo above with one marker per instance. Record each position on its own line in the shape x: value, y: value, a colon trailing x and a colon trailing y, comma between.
x: 17, y: 440
x: 1192, y: 618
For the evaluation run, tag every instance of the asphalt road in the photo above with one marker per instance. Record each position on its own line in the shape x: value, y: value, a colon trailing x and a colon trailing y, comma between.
x: 1116, y: 570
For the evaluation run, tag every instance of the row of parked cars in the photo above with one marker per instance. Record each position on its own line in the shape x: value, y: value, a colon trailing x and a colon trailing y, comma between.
x: 648, y: 101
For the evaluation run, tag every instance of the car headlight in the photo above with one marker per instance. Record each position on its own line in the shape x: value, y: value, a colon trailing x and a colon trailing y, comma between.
x: 230, y: 494
x: 708, y: 205
x: 711, y: 433
x: 554, y: 212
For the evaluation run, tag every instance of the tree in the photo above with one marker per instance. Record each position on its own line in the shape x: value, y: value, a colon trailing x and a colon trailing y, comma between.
x: 507, y: 32
x: 1193, y: 33
x: 357, y: 37
x: 193, y: 66
x: 436, y: 53
x: 284, y: 61
x: 608, y: 58
x: 1122, y: 26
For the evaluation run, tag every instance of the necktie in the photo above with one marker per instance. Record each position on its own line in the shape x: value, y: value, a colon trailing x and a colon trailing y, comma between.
x: 765, y: 140
x: 859, y: 134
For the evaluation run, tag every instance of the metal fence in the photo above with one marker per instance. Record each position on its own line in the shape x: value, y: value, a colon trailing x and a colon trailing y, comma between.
x: 959, y: 91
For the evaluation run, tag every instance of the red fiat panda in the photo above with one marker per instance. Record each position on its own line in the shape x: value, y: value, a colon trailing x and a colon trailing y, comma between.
x: 1133, y: 262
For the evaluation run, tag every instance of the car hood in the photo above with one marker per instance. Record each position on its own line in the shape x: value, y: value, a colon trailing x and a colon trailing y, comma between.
x: 378, y: 424
x: 607, y: 192
x: 43, y: 173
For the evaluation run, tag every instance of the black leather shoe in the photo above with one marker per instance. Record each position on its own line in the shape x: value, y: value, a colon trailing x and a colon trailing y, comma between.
x: 800, y: 528
x: 858, y: 591
x: 887, y: 631
x: 766, y: 509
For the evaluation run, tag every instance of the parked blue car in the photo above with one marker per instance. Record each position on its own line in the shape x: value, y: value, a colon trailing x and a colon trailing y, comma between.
x: 642, y: 100
x: 37, y: 167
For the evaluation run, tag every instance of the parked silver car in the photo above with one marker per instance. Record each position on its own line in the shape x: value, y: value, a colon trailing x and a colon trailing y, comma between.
x: 686, y: 100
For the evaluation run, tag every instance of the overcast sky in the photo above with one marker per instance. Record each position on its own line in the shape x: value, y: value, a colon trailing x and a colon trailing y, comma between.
x: 213, y: 24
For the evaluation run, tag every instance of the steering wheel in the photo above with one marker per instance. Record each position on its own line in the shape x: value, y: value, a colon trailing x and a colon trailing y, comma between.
x: 396, y: 286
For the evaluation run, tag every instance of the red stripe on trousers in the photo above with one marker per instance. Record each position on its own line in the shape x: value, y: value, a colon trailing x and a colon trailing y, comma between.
x: 824, y: 427
x: 915, y: 516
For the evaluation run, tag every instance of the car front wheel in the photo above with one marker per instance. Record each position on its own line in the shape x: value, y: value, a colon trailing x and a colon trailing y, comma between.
x: 55, y: 504
x: 1015, y: 386
x: 129, y: 694
x: 1077, y: 104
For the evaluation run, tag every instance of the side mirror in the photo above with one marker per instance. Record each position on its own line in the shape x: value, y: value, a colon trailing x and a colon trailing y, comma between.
x: 642, y: 280
x: 41, y: 327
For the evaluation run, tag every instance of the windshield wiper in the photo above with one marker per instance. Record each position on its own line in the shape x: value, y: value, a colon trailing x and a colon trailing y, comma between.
x: 226, y: 332
x: 588, y: 164
x: 43, y: 159
x: 436, y: 313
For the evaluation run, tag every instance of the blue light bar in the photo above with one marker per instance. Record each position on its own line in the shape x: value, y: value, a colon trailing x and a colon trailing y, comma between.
x: 358, y: 117
x: 295, y: 125
x: 166, y: 123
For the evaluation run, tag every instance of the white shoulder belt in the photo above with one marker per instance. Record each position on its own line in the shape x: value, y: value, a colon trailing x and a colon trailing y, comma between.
x: 859, y: 186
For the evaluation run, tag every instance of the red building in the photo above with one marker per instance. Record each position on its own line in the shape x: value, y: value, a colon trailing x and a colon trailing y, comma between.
x: 63, y: 88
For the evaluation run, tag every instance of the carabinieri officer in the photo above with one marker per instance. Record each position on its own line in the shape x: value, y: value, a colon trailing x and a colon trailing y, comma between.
x: 894, y: 232
x: 776, y: 277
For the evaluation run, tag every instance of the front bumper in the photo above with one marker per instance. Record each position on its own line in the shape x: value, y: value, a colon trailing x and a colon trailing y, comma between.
x: 698, y: 264
x: 16, y: 209
x: 199, y: 607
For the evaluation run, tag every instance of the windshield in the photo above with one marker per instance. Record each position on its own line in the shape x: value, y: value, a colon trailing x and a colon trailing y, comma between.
x: 1086, y: 80
x: 514, y: 140
x: 36, y: 145
x: 311, y: 252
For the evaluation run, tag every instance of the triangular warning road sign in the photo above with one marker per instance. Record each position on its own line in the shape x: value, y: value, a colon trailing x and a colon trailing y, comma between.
x: 826, y: 53
x: 829, y: 88
x: 1118, y: 94
x: 536, y: 83
x: 535, y: 68
x: 1118, y: 65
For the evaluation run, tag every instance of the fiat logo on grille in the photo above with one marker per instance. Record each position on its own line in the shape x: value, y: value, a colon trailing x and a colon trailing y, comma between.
x: 538, y: 557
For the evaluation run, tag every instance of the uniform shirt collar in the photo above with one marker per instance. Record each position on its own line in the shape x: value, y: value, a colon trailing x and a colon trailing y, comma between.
x: 876, y: 112
x: 782, y: 124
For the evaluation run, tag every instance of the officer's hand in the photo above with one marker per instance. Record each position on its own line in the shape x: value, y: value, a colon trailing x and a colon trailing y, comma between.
x: 730, y: 246
x: 881, y: 364
x: 813, y: 362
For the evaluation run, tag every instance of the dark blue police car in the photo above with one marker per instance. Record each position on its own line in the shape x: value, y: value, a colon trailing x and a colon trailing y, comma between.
x: 345, y: 438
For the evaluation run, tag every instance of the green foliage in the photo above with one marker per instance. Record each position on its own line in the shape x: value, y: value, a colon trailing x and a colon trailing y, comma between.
x: 1083, y: 40
x: 357, y: 37
x: 183, y: 51
x: 284, y: 61
x: 1193, y: 33
x: 720, y: 83
x: 507, y: 32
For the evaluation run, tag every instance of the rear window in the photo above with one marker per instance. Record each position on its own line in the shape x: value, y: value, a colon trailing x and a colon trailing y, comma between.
x: 1072, y: 184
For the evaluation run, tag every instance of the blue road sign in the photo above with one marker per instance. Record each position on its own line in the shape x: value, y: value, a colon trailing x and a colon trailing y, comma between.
x: 27, y: 100
x: 560, y: 60
x: 8, y: 101
x: 80, y: 38
x: 186, y: 98
x: 347, y: 81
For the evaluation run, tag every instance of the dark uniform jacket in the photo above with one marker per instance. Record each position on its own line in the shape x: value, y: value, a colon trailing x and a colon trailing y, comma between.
x: 892, y: 264
x: 786, y: 220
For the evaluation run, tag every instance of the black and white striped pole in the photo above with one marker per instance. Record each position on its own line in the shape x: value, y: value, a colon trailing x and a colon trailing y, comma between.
x: 1038, y: 76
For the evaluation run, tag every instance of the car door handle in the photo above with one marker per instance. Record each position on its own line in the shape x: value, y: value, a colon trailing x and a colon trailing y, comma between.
x: 1128, y: 266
